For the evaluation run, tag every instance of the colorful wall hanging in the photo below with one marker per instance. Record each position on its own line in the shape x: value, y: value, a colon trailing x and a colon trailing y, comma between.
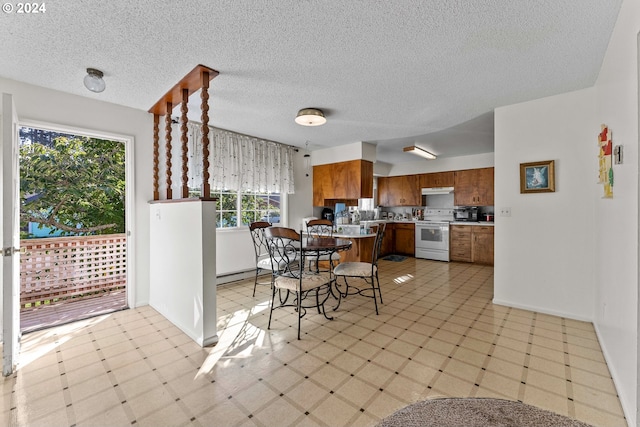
x: 605, y: 176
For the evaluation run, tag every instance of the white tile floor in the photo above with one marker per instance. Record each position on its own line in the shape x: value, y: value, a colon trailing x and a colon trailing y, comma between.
x: 438, y: 334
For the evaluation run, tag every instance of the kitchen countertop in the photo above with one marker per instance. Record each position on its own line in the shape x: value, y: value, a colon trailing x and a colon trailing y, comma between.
x: 353, y: 236
x: 411, y: 221
x: 473, y: 223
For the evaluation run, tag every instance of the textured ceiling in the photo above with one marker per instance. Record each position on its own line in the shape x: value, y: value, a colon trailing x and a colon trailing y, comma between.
x: 387, y: 72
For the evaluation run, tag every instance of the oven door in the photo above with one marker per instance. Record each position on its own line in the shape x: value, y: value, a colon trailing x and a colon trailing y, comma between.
x: 432, y: 236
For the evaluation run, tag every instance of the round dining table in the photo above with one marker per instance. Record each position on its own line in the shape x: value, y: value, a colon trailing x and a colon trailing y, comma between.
x: 326, y: 246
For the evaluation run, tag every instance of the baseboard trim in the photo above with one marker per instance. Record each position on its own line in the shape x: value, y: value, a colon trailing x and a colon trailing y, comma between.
x: 542, y: 310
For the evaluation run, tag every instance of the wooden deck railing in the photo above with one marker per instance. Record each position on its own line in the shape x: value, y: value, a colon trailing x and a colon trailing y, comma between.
x: 71, y: 267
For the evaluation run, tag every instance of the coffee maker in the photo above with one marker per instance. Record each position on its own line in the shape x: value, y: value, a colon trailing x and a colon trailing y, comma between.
x: 327, y: 213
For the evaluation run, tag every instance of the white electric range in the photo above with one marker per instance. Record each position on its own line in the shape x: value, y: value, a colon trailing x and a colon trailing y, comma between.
x: 432, y: 234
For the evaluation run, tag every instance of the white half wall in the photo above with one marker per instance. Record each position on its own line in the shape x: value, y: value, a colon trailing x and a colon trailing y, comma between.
x: 544, y: 252
x: 183, y: 266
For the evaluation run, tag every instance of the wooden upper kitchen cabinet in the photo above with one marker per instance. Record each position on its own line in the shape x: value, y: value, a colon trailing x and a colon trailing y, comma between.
x: 341, y: 181
x: 437, y: 179
x: 460, y: 247
x: 473, y: 187
x: 322, y: 184
x: 482, y: 244
x: 405, y: 238
x: 401, y: 190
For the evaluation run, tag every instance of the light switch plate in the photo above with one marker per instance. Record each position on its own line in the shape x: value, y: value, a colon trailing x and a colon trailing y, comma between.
x: 617, y: 155
x: 505, y: 211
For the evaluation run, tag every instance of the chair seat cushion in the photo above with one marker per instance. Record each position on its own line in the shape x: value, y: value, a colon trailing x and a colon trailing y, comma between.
x: 354, y: 269
x: 265, y: 263
x: 309, y: 281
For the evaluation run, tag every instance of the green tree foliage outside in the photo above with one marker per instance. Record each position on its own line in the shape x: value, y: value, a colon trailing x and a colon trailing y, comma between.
x: 73, y: 184
x: 253, y: 207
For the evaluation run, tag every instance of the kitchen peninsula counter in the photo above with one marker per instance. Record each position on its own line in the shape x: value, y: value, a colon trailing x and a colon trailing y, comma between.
x: 361, y: 247
x: 353, y: 236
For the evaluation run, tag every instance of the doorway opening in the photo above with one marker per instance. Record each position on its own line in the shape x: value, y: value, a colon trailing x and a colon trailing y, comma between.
x: 73, y: 238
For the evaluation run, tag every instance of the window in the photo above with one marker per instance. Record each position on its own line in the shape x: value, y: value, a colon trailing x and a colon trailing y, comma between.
x: 248, y: 206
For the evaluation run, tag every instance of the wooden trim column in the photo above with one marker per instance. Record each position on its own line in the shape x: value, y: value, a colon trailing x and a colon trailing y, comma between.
x: 156, y: 157
x: 204, y: 95
x: 167, y: 136
x: 197, y: 79
x: 185, y: 141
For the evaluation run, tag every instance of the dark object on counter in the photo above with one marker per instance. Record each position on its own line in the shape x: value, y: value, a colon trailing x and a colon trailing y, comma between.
x: 465, y: 213
x: 489, y: 217
x: 327, y: 213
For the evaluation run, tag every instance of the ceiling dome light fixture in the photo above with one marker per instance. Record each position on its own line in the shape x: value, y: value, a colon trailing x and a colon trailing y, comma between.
x: 420, y: 152
x: 310, y: 117
x: 93, y: 80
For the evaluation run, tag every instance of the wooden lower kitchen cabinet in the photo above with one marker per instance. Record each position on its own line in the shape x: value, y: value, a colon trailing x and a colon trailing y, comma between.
x: 472, y: 243
x: 387, y: 246
x: 404, y: 238
x: 482, y: 244
x: 460, y: 247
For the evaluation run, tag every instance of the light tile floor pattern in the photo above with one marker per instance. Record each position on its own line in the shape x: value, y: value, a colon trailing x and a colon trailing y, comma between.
x: 437, y: 334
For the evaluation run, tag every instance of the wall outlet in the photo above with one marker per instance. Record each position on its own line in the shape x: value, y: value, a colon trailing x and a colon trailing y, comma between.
x: 505, y: 211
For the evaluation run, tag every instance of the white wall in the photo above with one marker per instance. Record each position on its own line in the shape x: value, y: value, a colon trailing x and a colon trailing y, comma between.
x: 572, y: 252
x: 44, y: 105
x: 544, y: 252
x: 344, y: 153
x: 300, y: 204
x: 616, y: 237
x: 443, y: 164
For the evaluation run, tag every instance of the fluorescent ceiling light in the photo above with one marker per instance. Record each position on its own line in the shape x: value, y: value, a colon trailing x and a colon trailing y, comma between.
x: 420, y: 152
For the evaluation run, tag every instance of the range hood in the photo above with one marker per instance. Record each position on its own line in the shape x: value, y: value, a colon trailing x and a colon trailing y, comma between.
x: 436, y: 190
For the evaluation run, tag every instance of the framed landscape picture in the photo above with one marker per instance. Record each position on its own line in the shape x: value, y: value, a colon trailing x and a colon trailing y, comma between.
x: 537, y: 177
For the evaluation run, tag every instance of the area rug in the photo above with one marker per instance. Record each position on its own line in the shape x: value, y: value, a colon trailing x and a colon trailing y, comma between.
x: 475, y: 412
x: 394, y: 258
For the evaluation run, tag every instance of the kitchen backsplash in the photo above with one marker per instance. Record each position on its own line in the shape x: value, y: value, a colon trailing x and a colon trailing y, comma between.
x: 410, y: 209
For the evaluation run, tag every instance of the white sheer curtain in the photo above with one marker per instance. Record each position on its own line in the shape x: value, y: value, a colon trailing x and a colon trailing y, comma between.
x: 240, y: 162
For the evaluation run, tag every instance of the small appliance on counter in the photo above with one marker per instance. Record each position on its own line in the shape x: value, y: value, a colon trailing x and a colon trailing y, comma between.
x: 327, y: 213
x: 488, y: 217
x: 465, y: 213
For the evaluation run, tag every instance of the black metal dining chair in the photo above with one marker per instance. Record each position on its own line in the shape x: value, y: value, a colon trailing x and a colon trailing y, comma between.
x: 321, y: 228
x: 366, y: 271
x: 311, y: 289
x: 263, y: 261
